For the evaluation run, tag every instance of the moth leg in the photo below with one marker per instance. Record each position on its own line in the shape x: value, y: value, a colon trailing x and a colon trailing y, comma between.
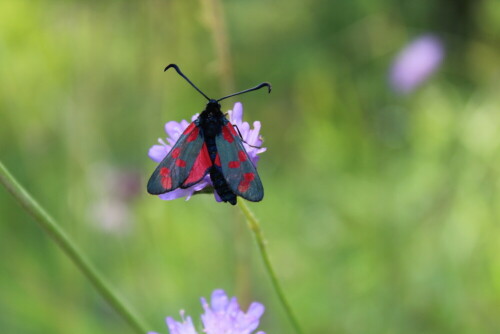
x: 236, y: 127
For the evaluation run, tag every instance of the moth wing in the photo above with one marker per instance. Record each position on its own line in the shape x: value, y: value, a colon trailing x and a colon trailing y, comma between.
x: 200, y: 168
x: 185, y: 162
x: 237, y: 168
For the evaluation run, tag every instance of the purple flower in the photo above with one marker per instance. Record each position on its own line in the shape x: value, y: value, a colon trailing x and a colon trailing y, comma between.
x: 416, y: 62
x: 174, y: 130
x: 222, y: 316
x: 175, y: 327
x: 113, y: 188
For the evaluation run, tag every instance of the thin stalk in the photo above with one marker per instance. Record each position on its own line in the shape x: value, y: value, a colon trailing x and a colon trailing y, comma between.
x: 216, y: 22
x: 50, y: 226
x: 254, y: 226
x: 214, y: 11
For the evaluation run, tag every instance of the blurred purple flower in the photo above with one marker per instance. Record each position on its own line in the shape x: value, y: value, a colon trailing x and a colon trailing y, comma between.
x: 174, y: 131
x: 416, y: 62
x: 114, y: 188
x: 222, y: 316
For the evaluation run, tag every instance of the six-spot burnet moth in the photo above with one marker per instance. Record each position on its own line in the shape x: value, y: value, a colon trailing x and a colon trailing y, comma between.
x: 209, y: 145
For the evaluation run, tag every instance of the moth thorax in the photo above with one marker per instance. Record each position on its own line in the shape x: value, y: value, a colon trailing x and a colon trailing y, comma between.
x: 211, y: 126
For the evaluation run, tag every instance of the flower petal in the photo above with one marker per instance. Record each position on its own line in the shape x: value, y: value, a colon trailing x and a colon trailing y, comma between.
x: 219, y: 300
x: 158, y: 152
x: 217, y: 197
x: 253, y: 135
x: 236, y: 115
x: 177, y: 193
x: 256, y: 310
x: 175, y: 129
x: 197, y: 187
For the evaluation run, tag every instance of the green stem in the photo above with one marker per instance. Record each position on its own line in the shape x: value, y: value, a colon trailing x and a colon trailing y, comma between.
x: 254, y: 226
x: 68, y: 246
x: 214, y: 13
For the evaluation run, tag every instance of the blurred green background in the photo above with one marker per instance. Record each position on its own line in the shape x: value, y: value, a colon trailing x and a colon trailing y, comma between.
x: 381, y: 209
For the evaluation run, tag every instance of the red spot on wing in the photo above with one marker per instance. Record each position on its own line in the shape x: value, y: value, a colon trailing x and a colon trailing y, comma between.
x: 175, y: 152
x: 189, y: 129
x: 226, y: 133
x: 217, y: 160
x: 200, y: 166
x: 242, y: 156
x: 180, y: 163
x: 233, y: 164
x: 245, y: 183
x: 194, y: 133
x: 166, y: 180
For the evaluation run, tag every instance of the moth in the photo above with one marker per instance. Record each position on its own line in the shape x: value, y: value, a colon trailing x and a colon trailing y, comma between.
x: 210, y: 145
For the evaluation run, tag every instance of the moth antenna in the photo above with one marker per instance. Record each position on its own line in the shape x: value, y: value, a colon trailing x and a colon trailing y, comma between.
x: 182, y: 75
x: 264, y: 84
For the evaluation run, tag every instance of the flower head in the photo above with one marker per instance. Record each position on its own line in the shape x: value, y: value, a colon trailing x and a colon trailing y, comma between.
x: 416, y: 62
x: 222, y: 316
x: 251, y: 141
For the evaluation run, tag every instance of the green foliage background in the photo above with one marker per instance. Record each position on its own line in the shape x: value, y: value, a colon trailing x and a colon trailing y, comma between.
x: 381, y: 211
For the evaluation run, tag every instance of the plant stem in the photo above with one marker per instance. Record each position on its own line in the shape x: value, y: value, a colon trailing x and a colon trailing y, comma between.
x: 216, y: 22
x: 214, y: 12
x: 68, y: 246
x: 254, y: 226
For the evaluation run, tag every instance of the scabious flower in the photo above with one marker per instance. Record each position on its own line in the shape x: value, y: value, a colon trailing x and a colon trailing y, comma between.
x: 251, y: 141
x: 222, y: 316
x: 415, y: 63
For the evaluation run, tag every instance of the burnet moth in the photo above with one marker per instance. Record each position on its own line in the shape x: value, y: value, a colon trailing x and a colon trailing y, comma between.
x: 210, y: 144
